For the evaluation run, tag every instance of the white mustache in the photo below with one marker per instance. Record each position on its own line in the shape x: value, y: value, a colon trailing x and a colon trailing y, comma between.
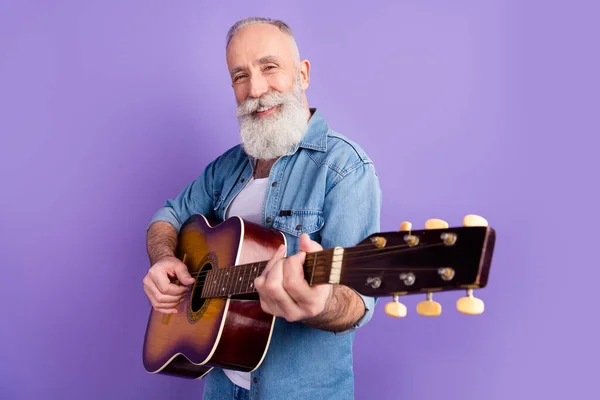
x: 268, y: 100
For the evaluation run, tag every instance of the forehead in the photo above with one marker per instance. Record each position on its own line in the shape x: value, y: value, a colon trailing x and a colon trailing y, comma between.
x: 257, y: 41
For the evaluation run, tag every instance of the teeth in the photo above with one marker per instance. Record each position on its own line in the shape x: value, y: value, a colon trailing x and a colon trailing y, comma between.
x: 264, y: 108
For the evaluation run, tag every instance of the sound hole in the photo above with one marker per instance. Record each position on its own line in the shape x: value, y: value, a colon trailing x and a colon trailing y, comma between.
x: 197, y: 302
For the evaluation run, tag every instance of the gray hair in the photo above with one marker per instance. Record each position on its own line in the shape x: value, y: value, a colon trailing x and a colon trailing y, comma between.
x: 283, y: 27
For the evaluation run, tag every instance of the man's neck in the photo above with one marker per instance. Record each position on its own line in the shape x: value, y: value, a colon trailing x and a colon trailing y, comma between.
x: 263, y: 168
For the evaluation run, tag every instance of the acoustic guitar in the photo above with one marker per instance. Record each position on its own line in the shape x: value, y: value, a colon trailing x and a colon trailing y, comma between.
x: 220, y: 323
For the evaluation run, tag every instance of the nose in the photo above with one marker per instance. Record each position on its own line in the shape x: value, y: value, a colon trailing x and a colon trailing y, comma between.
x: 258, y: 85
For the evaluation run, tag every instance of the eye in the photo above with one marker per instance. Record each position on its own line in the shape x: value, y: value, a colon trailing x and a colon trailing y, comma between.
x: 269, y: 67
x: 238, y: 77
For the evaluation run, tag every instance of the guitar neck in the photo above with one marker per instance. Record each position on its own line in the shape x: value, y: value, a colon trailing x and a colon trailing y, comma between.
x: 382, y: 264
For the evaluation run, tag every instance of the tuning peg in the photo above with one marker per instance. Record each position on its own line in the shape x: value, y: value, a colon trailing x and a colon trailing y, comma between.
x: 395, y: 308
x: 429, y: 307
x: 435, y: 223
x: 469, y: 304
x: 405, y: 226
x: 474, y: 220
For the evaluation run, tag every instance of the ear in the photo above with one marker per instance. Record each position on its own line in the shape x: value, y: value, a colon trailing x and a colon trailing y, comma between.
x: 305, y: 74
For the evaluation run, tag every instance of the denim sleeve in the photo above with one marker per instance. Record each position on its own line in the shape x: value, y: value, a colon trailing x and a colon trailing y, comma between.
x: 195, y: 198
x: 352, y: 212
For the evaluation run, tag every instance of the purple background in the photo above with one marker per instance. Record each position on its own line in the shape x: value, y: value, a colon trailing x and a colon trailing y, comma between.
x: 486, y: 107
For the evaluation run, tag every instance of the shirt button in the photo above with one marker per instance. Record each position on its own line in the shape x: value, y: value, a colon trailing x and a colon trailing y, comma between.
x: 255, y: 380
x: 298, y: 227
x: 268, y: 220
x: 274, y: 184
x: 242, y: 180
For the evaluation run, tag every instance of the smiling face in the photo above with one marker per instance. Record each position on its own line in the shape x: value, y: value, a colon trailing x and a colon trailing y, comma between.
x: 269, y: 83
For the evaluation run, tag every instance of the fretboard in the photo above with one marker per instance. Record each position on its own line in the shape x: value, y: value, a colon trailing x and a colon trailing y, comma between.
x: 239, y: 279
x: 233, y: 280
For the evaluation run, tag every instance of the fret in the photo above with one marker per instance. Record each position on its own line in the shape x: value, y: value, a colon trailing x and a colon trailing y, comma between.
x: 234, y: 278
x: 220, y: 275
x: 230, y: 281
x: 245, y: 281
x: 225, y: 284
x: 248, y: 278
x: 317, y: 269
x: 254, y: 273
x: 215, y: 283
x: 312, y: 274
x: 239, y: 280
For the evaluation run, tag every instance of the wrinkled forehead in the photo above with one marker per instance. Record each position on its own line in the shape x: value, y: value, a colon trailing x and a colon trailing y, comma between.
x: 258, y: 42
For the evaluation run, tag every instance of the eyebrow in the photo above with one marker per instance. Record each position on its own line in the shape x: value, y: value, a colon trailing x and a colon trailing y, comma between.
x: 261, y: 61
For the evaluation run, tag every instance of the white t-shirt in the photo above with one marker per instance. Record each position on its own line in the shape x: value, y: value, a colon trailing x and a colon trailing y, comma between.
x: 248, y: 204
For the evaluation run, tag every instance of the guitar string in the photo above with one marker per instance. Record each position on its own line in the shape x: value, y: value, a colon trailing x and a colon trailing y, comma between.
x: 213, y: 292
x: 322, y: 267
x: 364, y: 254
x: 319, y: 279
x: 321, y: 273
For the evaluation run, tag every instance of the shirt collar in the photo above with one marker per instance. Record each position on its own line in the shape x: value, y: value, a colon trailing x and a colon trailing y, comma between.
x: 315, y: 137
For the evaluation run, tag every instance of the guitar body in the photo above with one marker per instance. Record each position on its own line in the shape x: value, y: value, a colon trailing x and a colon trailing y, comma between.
x: 228, y: 332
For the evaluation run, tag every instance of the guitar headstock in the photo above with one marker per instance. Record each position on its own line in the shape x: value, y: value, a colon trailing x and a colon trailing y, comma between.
x: 435, y: 259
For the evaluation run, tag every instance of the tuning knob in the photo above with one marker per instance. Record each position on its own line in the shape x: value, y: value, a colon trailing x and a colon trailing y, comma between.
x: 435, y: 223
x: 469, y: 304
x: 405, y: 226
x: 474, y: 220
x: 429, y: 307
x: 395, y: 308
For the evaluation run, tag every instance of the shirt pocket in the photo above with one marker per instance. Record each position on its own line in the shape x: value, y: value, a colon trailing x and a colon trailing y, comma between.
x: 297, y: 222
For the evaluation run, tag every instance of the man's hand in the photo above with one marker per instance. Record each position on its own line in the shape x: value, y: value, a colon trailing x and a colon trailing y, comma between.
x: 283, y: 290
x: 164, y: 295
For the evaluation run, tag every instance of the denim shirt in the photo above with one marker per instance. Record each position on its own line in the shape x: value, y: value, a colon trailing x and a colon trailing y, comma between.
x: 326, y: 187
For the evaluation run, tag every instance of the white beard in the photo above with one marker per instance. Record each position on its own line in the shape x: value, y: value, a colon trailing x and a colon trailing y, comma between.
x: 275, y: 135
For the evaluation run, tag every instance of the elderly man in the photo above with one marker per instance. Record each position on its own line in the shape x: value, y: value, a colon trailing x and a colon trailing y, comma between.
x: 291, y: 172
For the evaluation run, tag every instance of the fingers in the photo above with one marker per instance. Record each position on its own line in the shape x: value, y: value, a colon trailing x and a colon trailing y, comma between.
x: 161, y: 271
x: 164, y: 295
x: 160, y: 301
x: 308, y: 245
x: 283, y: 290
x: 182, y: 273
x: 279, y: 254
x: 164, y: 284
x: 293, y: 276
x: 266, y: 302
x: 293, y: 279
x: 158, y: 295
x: 273, y: 286
x: 273, y: 297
